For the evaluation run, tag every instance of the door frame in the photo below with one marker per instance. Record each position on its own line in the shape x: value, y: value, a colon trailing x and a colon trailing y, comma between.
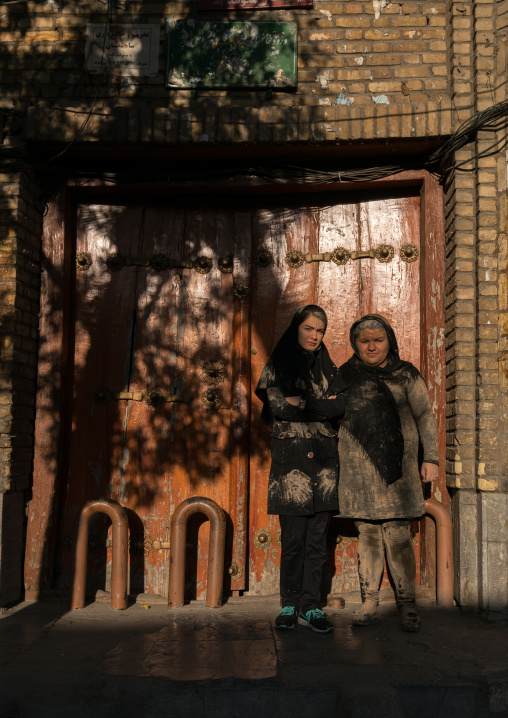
x: 59, y: 272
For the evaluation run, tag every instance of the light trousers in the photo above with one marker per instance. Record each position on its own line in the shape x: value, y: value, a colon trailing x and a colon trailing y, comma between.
x: 393, y: 539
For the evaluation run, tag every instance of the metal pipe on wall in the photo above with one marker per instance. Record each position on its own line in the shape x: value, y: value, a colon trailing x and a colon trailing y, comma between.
x: 444, y: 551
x: 215, y: 575
x: 120, y: 529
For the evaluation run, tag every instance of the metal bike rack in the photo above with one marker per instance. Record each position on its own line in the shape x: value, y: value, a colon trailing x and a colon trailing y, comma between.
x: 215, y: 576
x: 119, y: 558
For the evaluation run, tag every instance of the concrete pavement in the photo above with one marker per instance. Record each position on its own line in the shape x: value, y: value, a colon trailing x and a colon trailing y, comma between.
x: 192, y: 662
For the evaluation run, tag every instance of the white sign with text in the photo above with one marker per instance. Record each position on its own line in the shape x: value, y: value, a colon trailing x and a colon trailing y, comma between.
x: 126, y: 49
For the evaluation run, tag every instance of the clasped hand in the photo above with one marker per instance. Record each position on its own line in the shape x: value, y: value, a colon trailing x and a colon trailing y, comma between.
x: 295, y: 400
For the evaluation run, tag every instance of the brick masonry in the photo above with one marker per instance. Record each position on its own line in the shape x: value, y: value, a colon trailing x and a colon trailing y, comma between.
x: 20, y: 232
x: 367, y: 71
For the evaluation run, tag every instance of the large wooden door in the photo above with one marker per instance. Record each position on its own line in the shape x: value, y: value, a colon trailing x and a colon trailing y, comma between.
x: 152, y: 389
x: 386, y: 285
x: 148, y: 336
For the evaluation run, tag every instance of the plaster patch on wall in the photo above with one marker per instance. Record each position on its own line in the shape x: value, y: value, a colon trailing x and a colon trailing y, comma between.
x: 359, y: 60
x: 342, y: 100
x: 438, y: 495
x: 381, y: 100
x: 378, y: 5
x: 327, y: 14
x: 324, y: 78
x: 324, y: 101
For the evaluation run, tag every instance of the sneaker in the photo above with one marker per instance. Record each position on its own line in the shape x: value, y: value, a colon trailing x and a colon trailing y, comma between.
x: 287, y: 618
x: 316, y: 619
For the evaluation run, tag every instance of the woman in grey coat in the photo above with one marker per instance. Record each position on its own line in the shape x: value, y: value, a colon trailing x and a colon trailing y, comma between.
x: 388, y: 414
x: 299, y: 387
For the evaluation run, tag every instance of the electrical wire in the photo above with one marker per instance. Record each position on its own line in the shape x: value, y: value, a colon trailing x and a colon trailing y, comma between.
x: 493, y: 119
x: 80, y: 130
x: 440, y: 163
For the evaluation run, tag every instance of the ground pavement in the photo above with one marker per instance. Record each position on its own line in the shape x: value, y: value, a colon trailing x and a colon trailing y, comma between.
x: 197, y: 662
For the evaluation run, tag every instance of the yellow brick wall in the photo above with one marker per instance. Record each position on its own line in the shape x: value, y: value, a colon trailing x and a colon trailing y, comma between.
x: 366, y: 70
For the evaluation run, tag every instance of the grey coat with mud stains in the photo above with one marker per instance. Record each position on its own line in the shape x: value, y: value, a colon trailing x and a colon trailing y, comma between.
x: 362, y: 492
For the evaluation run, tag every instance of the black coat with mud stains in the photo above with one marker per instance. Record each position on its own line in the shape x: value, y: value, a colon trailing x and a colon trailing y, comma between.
x: 305, y: 465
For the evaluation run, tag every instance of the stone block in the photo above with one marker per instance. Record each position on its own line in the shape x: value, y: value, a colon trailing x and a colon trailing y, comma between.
x: 494, y: 517
x: 465, y: 539
x: 495, y: 576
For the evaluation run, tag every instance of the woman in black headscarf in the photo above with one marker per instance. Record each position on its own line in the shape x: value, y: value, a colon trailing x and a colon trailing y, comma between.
x: 298, y: 388
x: 388, y: 413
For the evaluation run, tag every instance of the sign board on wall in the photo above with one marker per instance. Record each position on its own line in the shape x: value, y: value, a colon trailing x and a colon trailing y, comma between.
x: 207, y: 54
x: 127, y: 49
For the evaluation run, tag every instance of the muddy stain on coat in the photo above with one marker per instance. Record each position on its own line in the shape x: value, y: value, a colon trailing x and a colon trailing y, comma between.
x: 362, y: 492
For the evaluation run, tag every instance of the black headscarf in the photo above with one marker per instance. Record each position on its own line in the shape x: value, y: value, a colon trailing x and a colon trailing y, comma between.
x: 371, y: 416
x: 295, y: 370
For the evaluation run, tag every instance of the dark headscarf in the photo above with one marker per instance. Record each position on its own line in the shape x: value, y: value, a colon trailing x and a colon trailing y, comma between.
x: 295, y: 370
x: 371, y: 416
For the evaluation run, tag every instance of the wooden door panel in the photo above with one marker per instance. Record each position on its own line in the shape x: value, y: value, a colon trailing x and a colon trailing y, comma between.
x: 187, y: 445
x: 392, y: 288
x: 339, y: 287
x: 387, y: 288
x: 104, y: 305
x: 277, y: 291
x: 139, y: 330
x: 346, y: 292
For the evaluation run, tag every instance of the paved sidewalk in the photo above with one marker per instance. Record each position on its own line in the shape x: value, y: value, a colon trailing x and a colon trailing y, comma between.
x: 192, y: 662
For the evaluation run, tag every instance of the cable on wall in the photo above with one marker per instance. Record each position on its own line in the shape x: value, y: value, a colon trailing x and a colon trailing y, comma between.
x: 440, y: 163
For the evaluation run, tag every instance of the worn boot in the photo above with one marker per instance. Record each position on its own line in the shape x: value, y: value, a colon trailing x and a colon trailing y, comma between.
x: 364, y: 615
x: 409, y: 620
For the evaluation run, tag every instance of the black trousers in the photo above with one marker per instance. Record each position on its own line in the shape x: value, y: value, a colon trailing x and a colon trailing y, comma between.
x: 303, y: 557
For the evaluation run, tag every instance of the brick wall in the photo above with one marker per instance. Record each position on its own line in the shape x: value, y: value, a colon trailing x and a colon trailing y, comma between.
x: 366, y: 70
x: 476, y: 267
x: 20, y: 232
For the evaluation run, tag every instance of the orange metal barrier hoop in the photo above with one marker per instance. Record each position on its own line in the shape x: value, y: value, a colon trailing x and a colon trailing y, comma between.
x: 444, y: 551
x: 215, y: 575
x: 119, y: 558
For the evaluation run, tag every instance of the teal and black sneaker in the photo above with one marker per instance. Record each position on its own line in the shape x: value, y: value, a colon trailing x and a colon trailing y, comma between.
x: 316, y: 619
x: 287, y: 618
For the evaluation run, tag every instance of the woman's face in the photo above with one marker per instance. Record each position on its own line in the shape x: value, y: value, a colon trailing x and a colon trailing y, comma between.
x: 373, y: 347
x: 311, y: 332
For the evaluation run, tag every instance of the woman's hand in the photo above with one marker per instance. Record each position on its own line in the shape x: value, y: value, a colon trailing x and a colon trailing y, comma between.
x: 428, y: 472
x: 332, y: 397
x: 294, y: 400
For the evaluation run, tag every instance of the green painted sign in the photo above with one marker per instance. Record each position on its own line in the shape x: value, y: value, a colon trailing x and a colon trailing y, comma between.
x: 221, y: 55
